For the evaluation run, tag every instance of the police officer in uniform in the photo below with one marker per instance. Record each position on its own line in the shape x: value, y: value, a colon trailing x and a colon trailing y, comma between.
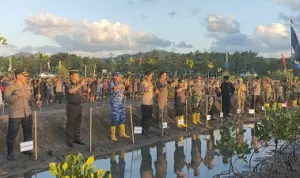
x: 17, y: 95
x: 227, y: 90
x: 74, y: 97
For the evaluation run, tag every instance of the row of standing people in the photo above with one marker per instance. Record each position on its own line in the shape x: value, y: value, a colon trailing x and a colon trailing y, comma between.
x: 18, y: 95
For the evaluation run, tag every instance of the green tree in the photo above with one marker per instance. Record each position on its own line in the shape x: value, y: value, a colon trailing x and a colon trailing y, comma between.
x: 3, y: 41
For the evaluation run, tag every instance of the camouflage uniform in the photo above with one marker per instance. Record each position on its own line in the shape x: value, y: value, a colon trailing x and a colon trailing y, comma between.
x: 197, y: 95
x: 118, y: 113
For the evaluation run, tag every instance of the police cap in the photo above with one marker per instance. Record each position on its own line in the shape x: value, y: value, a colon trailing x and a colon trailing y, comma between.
x: 116, y: 74
x: 21, y: 71
x: 73, y: 71
x: 226, y: 77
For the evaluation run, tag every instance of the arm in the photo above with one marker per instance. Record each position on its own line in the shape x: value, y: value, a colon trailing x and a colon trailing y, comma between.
x: 179, y: 89
x: 10, y: 95
x: 27, y: 91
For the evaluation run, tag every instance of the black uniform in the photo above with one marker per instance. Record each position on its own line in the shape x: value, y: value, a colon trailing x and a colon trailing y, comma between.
x: 146, y: 164
x: 227, y: 90
x: 74, y: 113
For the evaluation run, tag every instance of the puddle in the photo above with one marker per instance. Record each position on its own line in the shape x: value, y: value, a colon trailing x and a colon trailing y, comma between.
x: 193, y: 156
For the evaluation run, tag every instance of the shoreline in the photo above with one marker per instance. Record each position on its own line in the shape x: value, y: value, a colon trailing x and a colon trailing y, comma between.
x: 51, y: 137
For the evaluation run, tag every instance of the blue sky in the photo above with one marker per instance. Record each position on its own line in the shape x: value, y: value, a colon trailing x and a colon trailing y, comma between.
x: 188, y: 24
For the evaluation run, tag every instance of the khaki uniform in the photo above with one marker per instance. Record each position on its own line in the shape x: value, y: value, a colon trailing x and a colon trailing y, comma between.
x: 241, y: 96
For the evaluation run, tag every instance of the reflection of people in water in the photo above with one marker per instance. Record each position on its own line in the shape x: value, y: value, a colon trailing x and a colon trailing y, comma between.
x: 240, y: 134
x: 179, y: 158
x: 254, y: 142
x: 146, y: 170
x: 161, y: 162
x: 225, y: 136
x: 117, y: 169
x: 209, y: 154
x: 196, y: 154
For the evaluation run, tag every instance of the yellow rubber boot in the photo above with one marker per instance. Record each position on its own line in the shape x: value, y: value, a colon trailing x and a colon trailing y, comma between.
x: 177, y: 119
x: 267, y: 105
x: 275, y: 106
x: 123, y: 131
x: 182, y: 125
x: 279, y: 105
x: 294, y: 103
x: 198, y: 118
x: 194, y: 119
x: 113, y: 133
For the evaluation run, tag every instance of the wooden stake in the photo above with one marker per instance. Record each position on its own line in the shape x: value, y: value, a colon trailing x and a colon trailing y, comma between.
x: 91, y: 128
x: 35, y: 136
x: 162, y: 123
x: 207, y: 110
x: 131, y: 122
x: 186, y: 116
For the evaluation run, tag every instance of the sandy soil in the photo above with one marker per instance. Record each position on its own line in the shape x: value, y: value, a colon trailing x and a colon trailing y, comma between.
x: 52, y: 137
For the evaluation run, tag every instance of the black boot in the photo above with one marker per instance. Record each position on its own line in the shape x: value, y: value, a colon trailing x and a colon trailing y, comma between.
x: 10, y: 148
x: 10, y: 156
x: 144, y: 127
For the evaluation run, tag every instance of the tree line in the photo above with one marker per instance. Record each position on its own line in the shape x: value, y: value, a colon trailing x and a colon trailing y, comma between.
x: 156, y: 60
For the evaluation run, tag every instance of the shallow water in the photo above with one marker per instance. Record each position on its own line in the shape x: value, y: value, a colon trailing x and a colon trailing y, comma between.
x: 161, y: 160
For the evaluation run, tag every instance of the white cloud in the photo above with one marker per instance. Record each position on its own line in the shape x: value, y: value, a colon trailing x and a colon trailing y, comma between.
x: 91, y: 37
x: 217, y: 23
x: 266, y: 39
x: 292, y: 4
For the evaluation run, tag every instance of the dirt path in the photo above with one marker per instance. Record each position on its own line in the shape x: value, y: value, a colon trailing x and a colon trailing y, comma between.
x: 52, y: 140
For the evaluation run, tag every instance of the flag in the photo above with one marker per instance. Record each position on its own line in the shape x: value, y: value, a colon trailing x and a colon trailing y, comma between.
x: 10, y: 65
x: 283, y: 61
x: 113, y: 61
x: 226, y: 61
x: 141, y: 60
x: 292, y: 22
x: 296, y: 47
x: 59, y: 65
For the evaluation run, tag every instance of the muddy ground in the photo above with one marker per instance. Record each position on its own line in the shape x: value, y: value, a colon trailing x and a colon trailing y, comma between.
x: 52, y: 138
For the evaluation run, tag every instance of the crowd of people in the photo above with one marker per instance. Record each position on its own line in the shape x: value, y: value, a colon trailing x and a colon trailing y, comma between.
x: 23, y: 92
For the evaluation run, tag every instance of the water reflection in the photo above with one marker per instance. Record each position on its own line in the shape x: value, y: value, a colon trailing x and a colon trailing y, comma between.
x: 117, y: 168
x: 196, y: 158
x: 146, y: 170
x: 182, y: 157
x: 179, y: 157
x: 209, y: 153
x: 161, y: 160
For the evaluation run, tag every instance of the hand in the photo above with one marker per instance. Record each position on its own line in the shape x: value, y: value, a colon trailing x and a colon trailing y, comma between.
x: 82, y: 82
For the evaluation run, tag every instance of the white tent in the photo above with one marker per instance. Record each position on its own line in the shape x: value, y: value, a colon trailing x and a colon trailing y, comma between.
x: 45, y: 75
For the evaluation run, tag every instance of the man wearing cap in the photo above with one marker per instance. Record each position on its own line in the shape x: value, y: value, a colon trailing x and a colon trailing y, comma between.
x: 74, y: 98
x: 117, y: 105
x: 147, y: 101
x: 162, y: 97
x: 17, y: 95
x: 227, y: 90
